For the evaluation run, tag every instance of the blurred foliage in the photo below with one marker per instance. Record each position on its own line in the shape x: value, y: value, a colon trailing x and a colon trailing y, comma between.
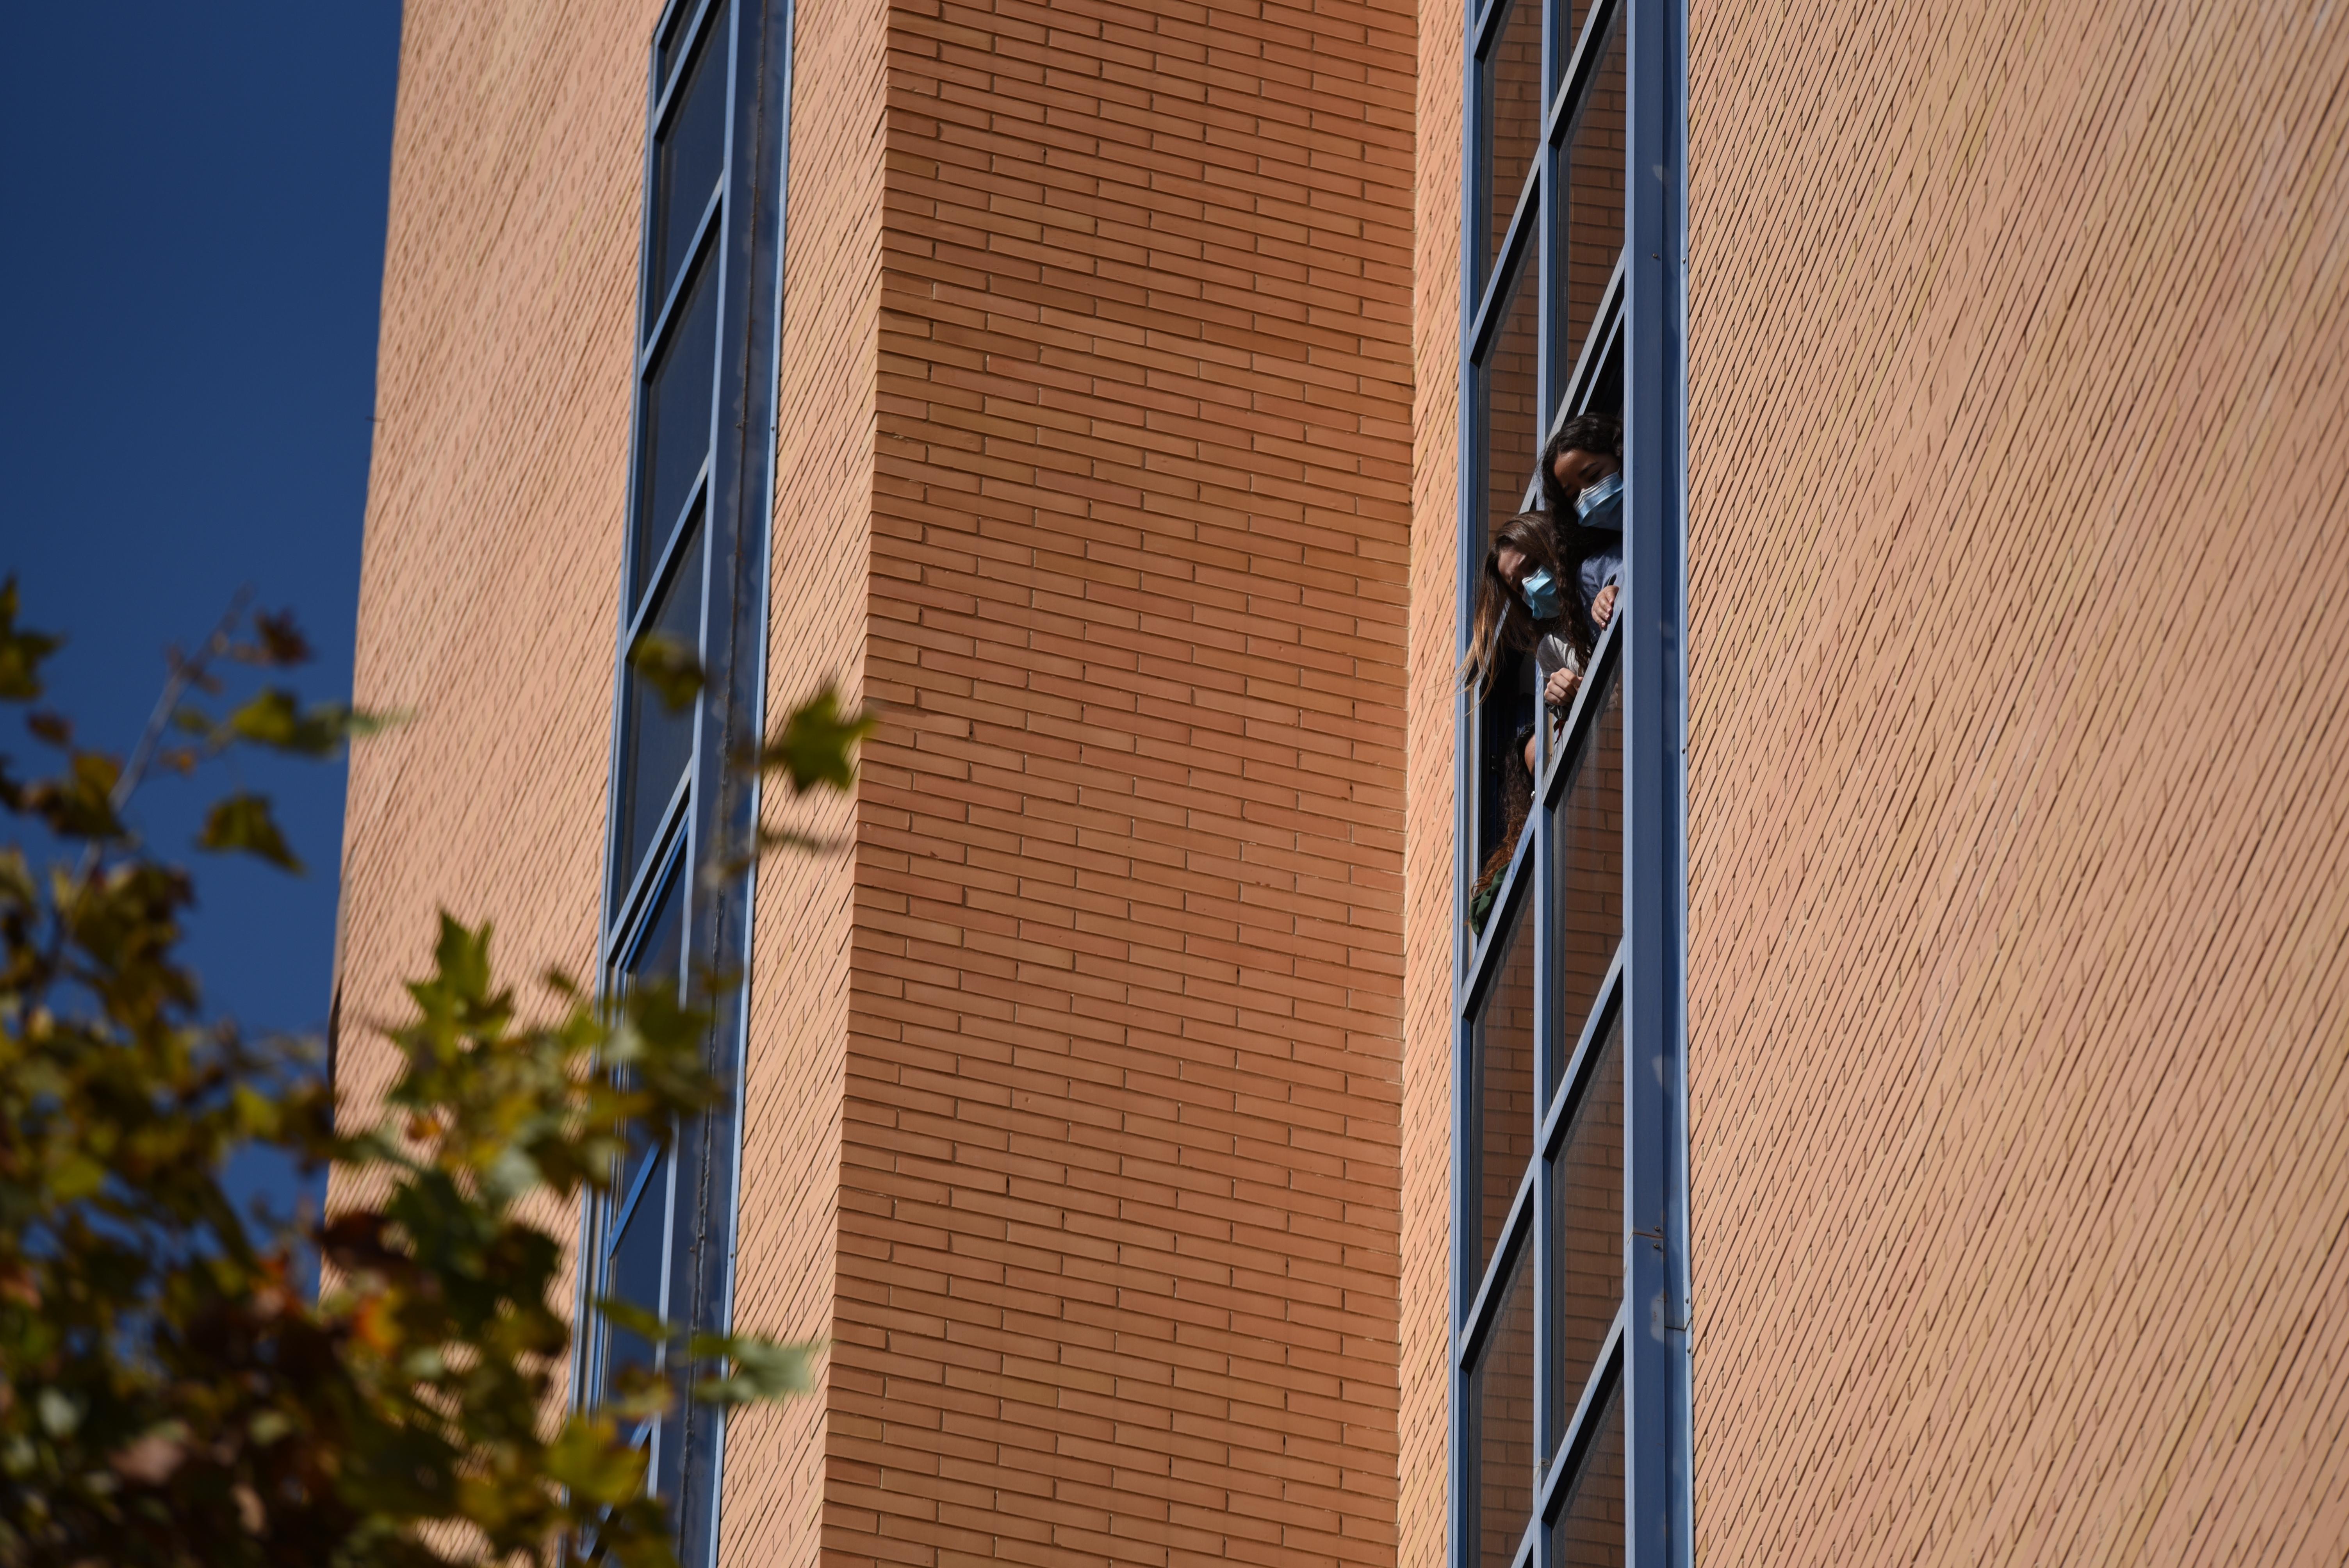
x: 166, y: 1395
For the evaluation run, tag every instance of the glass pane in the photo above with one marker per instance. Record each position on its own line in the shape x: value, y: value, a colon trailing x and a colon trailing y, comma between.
x: 1506, y: 392
x: 1586, y: 836
x: 1505, y: 1084
x: 659, y: 955
x: 678, y: 34
x: 1585, y: 1278
x: 658, y: 738
x: 1508, y: 388
x: 680, y: 398
x: 634, y: 1276
x: 1501, y: 1426
x: 1589, y: 1533
x: 659, y: 951
x: 1603, y: 394
x: 692, y: 152
x: 1595, y: 151
x: 1509, y: 76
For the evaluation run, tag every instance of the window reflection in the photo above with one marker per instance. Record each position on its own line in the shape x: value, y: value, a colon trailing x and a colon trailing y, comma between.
x: 658, y: 738
x: 1510, y: 78
x: 1503, y: 1070
x: 1501, y: 1424
x: 1586, y: 844
x: 692, y: 152
x: 1595, y: 151
x: 1590, y: 1530
x: 1587, y: 1201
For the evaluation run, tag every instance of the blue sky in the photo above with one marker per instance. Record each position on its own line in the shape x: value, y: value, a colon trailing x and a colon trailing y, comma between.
x: 197, y: 196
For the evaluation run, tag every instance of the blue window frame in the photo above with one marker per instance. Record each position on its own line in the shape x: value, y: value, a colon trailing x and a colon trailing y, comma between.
x: 677, y: 907
x: 1570, y: 1412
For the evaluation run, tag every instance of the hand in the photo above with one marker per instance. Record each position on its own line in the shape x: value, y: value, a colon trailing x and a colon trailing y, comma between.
x: 1602, y: 609
x: 1560, y: 690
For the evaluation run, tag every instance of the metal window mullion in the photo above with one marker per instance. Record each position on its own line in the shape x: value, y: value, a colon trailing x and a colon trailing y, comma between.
x: 1606, y: 325
x: 1485, y: 318
x: 664, y: 560
x: 688, y: 36
x: 1581, y: 718
x: 707, y: 228
x: 1577, y: 1065
x: 646, y: 876
x: 1657, y: 1482
x: 1557, y: 116
x: 1574, y: 1444
x: 1507, y: 1252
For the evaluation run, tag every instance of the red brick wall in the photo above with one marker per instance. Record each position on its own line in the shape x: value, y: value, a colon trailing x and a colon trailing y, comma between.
x: 2018, y: 997
x: 1119, y: 1211
x: 787, y: 1273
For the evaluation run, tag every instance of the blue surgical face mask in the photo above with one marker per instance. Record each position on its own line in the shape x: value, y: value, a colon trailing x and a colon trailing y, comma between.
x: 1595, y: 496
x: 1540, y: 590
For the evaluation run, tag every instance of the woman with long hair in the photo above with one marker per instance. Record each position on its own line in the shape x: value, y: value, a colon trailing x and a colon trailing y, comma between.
x: 1522, y: 607
x: 1582, y: 490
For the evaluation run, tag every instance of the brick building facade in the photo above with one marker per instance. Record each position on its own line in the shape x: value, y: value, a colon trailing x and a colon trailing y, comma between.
x: 1102, y: 1098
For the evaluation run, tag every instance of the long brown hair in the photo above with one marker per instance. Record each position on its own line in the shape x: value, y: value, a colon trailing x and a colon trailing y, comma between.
x: 1502, y: 622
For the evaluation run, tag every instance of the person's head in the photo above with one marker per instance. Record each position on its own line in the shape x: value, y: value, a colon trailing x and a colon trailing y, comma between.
x: 1522, y: 548
x: 1586, y: 450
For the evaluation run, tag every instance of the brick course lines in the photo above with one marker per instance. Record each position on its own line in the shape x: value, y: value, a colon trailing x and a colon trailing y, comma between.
x: 1430, y: 925
x: 1119, y: 1151
x: 788, y: 1263
x: 2020, y: 1019
x: 489, y: 581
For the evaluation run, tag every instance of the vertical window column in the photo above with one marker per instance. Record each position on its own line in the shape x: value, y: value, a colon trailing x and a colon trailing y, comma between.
x: 1555, y: 1144
x: 701, y: 489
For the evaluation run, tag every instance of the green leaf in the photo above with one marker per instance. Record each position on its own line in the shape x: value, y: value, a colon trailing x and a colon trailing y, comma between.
x: 757, y: 1369
x: 588, y: 1457
x: 670, y: 667
x: 817, y: 744
x: 21, y: 652
x: 274, y: 720
x: 244, y: 822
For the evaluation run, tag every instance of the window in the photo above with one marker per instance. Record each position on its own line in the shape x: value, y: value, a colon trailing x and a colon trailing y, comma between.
x: 694, y: 574
x: 1569, y: 1389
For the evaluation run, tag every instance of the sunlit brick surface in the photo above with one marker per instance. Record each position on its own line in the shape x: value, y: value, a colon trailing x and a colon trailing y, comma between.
x: 2019, y: 1048
x: 489, y: 587
x: 1431, y: 922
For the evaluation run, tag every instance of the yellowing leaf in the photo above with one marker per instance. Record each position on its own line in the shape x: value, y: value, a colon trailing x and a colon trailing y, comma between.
x: 244, y: 822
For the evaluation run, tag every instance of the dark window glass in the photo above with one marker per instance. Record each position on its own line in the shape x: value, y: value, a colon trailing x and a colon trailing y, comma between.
x: 1508, y: 388
x: 659, y: 951
x: 1510, y: 79
x: 1593, y: 211
x: 1504, y: 1071
x: 659, y: 957
x: 1587, y: 859
x: 1604, y: 391
x: 659, y: 738
x: 634, y: 1276
x: 685, y: 1290
x: 680, y: 397
x: 1589, y: 1533
x: 1571, y: 18
x: 692, y: 154
x: 1507, y: 394
x: 1501, y: 1426
x: 678, y: 34
x: 1586, y: 1198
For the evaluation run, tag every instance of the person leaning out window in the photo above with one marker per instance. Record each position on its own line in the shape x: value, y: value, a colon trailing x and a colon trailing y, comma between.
x: 1524, y: 607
